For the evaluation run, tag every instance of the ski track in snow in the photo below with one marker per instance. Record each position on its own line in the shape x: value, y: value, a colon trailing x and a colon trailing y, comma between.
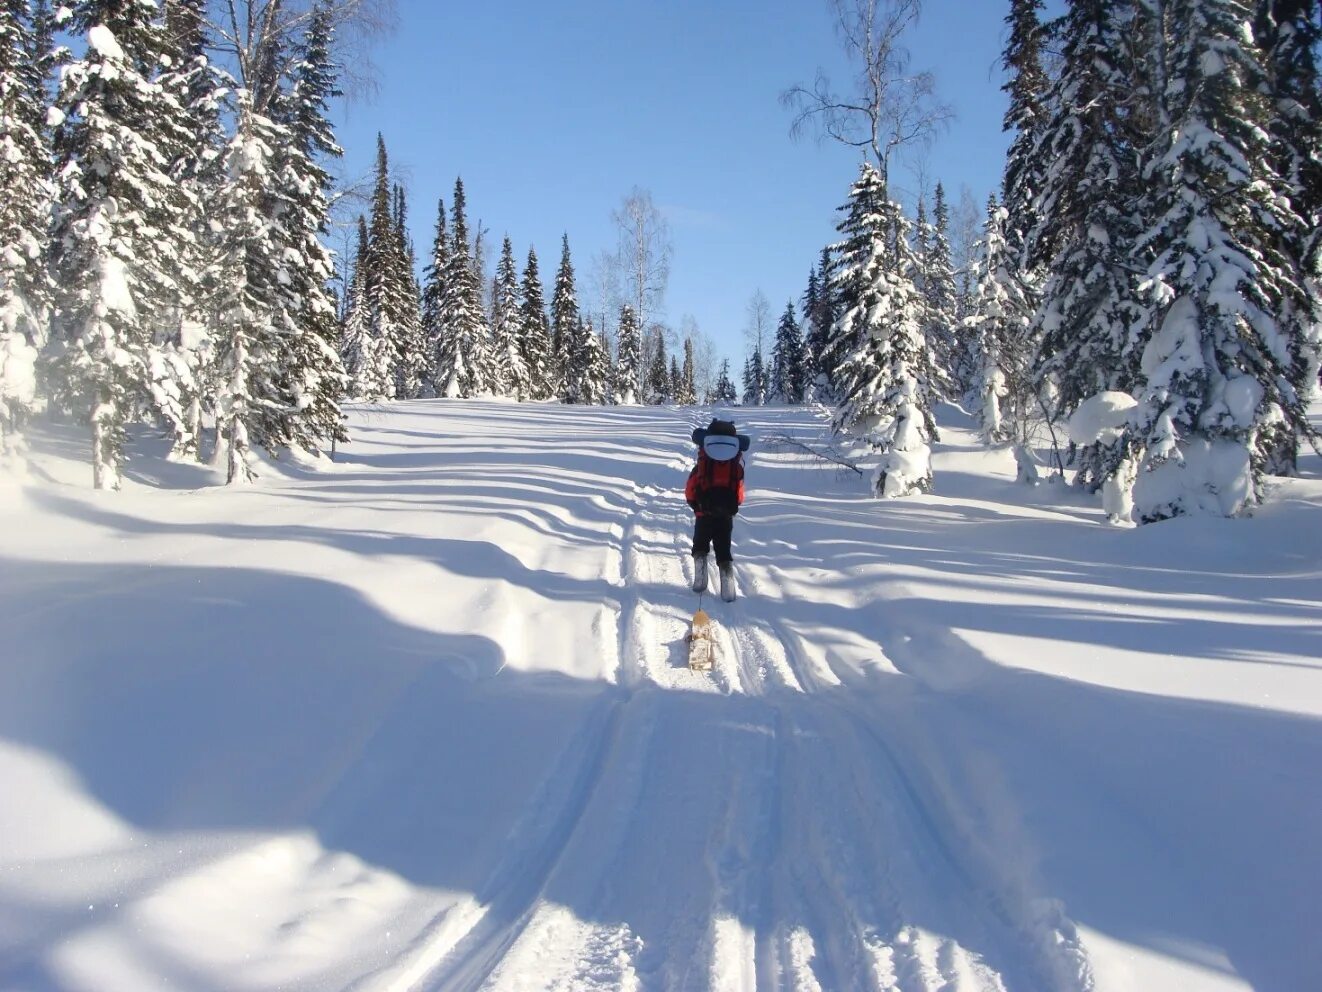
x: 786, y: 821
x: 852, y: 930
x: 821, y: 908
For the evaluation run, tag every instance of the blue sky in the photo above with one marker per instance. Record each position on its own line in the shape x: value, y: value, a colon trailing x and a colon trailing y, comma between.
x: 553, y: 112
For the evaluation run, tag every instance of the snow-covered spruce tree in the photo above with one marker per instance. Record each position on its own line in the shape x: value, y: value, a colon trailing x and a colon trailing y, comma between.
x: 412, y: 359
x: 392, y: 292
x: 203, y: 91
x: 577, y: 355
x: 1225, y: 359
x: 433, y: 295
x: 1085, y: 225
x: 118, y: 232
x: 942, y: 328
x: 627, y: 358
x: 535, y: 331
x: 814, y: 338
x: 676, y: 388
x: 688, y: 393
x: 375, y: 377
x: 1026, y: 116
x: 249, y: 316
x: 506, y: 327
x: 311, y: 379
x: 607, y: 366
x: 358, y: 349
x: 47, y: 56
x: 787, y: 359
x: 886, y: 380
x: 565, y: 322
x: 593, y: 381
x: 462, y: 356
x: 1004, y: 391
x: 823, y: 321
x: 25, y: 191
x: 755, y: 380
x: 1290, y: 34
x: 725, y: 391
x: 658, y: 373
x: 489, y: 372
x: 1009, y: 408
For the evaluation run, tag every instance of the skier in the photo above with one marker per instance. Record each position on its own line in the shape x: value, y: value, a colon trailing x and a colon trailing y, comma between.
x: 714, y: 492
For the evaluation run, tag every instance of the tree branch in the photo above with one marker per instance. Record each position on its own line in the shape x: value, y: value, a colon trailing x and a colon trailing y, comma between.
x: 826, y: 455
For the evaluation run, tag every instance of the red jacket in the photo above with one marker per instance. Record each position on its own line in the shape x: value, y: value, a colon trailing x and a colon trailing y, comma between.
x: 716, y: 488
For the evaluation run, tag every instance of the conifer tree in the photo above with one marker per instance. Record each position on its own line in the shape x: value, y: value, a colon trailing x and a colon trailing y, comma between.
x: 886, y: 379
x: 1226, y: 355
x: 1086, y: 224
x: 940, y: 297
x: 564, y: 324
x: 606, y: 367
x: 676, y: 387
x: 25, y: 191
x: 593, y: 381
x: 377, y: 376
x: 658, y: 373
x: 506, y: 329
x: 1290, y: 33
x: 202, y: 90
x: 248, y: 316
x: 463, y: 356
x: 434, y: 294
x: 1009, y: 407
x: 627, y: 359
x: 118, y: 236
x: 725, y: 391
x: 827, y: 349
x: 787, y: 359
x: 1025, y: 117
x: 47, y: 57
x: 688, y: 391
x: 535, y: 334
x: 312, y: 377
x: 755, y: 379
x: 413, y: 360
x: 813, y: 338
x: 357, y: 346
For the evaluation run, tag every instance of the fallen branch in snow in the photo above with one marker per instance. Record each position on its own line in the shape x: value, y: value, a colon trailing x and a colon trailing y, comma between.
x: 822, y: 454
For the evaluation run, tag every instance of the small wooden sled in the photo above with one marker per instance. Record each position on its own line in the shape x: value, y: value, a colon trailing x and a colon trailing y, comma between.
x: 702, y: 643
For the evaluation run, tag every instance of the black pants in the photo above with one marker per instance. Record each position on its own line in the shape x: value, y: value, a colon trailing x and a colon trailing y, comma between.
x: 709, y: 530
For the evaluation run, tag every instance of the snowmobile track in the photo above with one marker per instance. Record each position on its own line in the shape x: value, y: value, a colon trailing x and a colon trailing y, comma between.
x: 512, y: 893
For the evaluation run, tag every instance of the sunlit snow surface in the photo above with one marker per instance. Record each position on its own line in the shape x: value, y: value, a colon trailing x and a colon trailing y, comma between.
x: 419, y: 720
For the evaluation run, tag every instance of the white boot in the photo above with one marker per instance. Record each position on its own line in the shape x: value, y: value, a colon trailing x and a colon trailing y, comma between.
x: 699, y: 573
x: 727, y: 582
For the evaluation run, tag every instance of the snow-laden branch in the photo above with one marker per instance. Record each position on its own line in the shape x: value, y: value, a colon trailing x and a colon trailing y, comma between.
x: 827, y: 454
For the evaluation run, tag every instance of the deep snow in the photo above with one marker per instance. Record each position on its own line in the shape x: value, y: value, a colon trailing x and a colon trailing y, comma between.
x: 418, y: 720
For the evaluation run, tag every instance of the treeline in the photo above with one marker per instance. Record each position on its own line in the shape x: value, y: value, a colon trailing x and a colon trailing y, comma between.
x: 1146, y: 304
x: 458, y: 335
x: 163, y: 259
x: 162, y: 229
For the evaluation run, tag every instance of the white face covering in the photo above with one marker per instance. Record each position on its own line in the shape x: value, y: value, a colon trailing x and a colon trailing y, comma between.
x: 720, y: 447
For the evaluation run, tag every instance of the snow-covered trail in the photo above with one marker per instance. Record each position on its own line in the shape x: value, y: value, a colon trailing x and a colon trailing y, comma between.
x: 422, y: 722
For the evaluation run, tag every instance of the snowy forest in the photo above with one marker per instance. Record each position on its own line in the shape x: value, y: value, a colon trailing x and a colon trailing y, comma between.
x: 1141, y: 315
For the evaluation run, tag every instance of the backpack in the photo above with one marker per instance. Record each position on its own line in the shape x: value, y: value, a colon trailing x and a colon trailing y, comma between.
x: 717, y: 484
x: 720, y: 439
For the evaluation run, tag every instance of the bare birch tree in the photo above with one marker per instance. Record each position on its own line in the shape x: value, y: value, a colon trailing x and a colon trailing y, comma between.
x: 642, y: 256
x: 889, y: 106
x: 258, y: 38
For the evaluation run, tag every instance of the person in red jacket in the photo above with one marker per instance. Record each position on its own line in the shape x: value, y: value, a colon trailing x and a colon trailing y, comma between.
x: 715, y: 491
